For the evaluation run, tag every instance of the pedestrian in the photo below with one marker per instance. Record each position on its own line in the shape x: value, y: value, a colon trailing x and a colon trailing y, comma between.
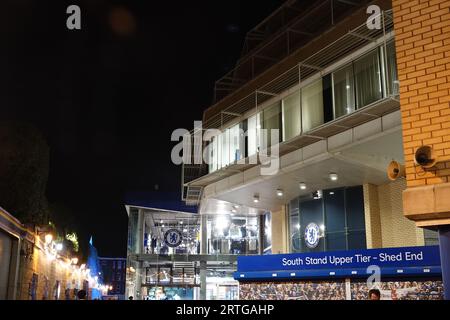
x: 81, y: 295
x: 374, y: 294
x: 130, y: 298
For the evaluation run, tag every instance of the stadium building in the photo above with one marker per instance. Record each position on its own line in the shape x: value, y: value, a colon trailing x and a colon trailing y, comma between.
x: 331, y: 135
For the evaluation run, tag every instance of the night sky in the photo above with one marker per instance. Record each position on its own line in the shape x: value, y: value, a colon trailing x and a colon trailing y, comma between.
x: 107, y: 97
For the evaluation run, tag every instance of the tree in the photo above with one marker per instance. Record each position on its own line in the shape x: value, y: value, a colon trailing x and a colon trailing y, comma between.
x: 24, y: 166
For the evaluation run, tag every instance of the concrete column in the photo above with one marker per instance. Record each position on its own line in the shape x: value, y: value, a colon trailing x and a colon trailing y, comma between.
x: 261, y: 233
x: 140, y: 232
x: 202, y: 280
x: 444, y: 247
x: 204, y: 234
x: 138, y: 286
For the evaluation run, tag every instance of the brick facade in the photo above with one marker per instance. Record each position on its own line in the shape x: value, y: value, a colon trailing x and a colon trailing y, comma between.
x: 422, y: 38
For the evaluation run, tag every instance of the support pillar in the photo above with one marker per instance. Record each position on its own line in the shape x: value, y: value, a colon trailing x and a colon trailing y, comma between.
x: 204, y: 234
x: 444, y: 247
x: 262, y: 227
x: 202, y: 280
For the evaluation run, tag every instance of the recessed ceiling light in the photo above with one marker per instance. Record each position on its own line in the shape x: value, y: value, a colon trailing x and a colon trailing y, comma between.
x: 279, y: 192
x: 181, y: 222
x: 256, y: 198
x: 234, y: 211
x: 333, y: 176
x: 236, y: 206
x: 331, y: 193
x: 302, y: 186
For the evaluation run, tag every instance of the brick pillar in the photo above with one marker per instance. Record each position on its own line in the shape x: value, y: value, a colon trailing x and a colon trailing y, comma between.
x: 422, y: 38
x: 279, y: 231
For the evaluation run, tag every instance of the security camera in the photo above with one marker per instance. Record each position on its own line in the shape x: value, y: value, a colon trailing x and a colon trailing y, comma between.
x: 317, y: 194
x: 425, y: 157
x: 395, y: 170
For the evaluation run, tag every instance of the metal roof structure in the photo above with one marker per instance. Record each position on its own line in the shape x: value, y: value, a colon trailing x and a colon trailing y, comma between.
x: 288, y: 28
x: 352, y: 41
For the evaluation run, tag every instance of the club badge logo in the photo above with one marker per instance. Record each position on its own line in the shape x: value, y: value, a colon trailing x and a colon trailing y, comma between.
x: 173, y: 238
x: 312, y: 235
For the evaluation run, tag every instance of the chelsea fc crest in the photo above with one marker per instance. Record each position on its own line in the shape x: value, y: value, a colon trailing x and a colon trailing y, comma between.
x: 312, y: 235
x: 173, y: 238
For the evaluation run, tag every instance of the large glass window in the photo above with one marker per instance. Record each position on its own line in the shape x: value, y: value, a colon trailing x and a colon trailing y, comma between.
x: 271, y: 122
x: 368, y: 79
x: 225, y: 145
x: 392, y: 76
x: 253, y: 134
x: 233, y: 234
x: 344, y: 91
x: 236, y: 145
x: 312, y: 106
x: 338, y: 215
x: 291, y: 116
x: 213, y: 152
x: 294, y: 226
x: 335, y: 229
x: 311, y: 211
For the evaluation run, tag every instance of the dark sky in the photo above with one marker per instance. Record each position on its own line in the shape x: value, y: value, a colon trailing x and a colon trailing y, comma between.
x: 108, y: 98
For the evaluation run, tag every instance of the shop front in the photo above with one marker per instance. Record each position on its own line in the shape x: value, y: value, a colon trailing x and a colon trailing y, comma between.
x: 175, y: 255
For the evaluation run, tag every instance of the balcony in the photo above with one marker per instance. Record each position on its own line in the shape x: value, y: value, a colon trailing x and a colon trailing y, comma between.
x: 358, y: 44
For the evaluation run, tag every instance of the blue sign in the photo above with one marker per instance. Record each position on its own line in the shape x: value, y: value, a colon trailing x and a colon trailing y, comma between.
x: 396, y: 260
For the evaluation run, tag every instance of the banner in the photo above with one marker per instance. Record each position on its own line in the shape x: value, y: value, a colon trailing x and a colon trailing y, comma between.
x: 425, y: 256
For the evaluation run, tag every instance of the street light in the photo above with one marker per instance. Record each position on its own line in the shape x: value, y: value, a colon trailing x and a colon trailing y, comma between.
x: 48, y: 238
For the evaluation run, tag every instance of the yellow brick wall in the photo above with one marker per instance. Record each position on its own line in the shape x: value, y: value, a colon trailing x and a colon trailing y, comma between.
x: 385, y: 224
x: 422, y: 39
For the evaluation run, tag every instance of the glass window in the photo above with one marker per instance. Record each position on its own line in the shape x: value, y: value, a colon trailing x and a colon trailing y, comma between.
x: 233, y: 234
x: 367, y: 78
x: 225, y: 145
x: 271, y: 122
x: 312, y: 106
x: 311, y: 211
x: 291, y: 116
x: 294, y: 226
x: 344, y: 91
x: 212, y: 153
x: 236, y: 150
x: 356, y: 226
x: 253, y: 134
x: 339, y: 214
x: 392, y: 76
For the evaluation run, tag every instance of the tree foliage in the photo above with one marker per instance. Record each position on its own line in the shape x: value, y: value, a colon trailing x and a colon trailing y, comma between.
x: 24, y: 167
